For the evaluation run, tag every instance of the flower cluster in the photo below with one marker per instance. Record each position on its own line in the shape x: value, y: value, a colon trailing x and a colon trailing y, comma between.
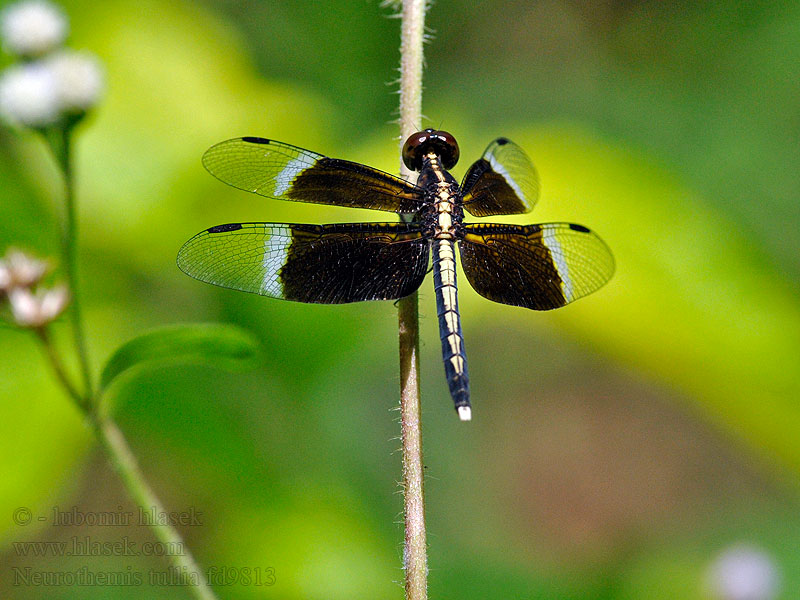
x: 31, y: 305
x: 50, y: 85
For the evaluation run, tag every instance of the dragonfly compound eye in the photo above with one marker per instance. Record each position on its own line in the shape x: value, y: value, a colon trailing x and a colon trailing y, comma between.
x: 422, y: 142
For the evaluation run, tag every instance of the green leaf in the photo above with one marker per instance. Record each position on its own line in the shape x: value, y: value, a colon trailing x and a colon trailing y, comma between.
x: 221, y: 346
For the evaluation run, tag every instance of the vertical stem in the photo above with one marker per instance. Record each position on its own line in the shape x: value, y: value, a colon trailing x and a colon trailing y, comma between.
x: 415, y: 555
x: 113, y: 442
x: 126, y: 466
x: 60, y: 140
x: 411, y: 62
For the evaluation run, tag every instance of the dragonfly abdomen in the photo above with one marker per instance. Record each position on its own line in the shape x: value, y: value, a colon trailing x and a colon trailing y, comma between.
x: 455, y: 358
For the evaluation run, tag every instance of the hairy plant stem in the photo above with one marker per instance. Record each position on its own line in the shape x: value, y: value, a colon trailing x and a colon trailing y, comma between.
x: 415, y: 555
x: 89, y: 401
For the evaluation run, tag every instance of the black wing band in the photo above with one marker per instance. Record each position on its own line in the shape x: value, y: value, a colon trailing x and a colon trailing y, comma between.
x: 328, y: 264
x: 535, y: 266
x: 277, y: 170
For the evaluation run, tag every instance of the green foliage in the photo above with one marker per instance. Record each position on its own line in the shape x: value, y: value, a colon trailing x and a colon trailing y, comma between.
x: 220, y: 346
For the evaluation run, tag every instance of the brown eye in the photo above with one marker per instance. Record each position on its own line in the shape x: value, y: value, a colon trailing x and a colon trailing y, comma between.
x: 412, y: 149
x: 422, y: 142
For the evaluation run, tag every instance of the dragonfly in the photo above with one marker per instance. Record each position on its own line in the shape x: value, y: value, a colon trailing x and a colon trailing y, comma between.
x: 539, y: 266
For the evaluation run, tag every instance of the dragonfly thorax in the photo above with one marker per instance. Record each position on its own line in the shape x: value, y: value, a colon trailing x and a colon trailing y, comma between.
x: 442, y: 213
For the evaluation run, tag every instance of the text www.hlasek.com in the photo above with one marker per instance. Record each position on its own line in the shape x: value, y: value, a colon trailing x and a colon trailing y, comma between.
x: 85, y: 546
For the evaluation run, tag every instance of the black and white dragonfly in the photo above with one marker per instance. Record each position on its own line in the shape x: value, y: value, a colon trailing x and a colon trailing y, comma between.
x: 542, y: 266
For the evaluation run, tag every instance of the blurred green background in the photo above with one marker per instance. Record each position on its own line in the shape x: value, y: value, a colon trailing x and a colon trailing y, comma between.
x: 619, y: 445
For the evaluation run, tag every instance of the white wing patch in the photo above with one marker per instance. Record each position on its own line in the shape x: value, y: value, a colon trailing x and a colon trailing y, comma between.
x: 500, y: 169
x: 286, y: 177
x: 275, y: 256
x: 551, y: 241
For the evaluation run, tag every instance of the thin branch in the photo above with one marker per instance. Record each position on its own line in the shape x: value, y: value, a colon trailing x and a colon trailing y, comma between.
x: 123, y: 460
x: 415, y: 552
x: 59, y: 370
x: 60, y: 139
x: 120, y: 455
x: 111, y: 438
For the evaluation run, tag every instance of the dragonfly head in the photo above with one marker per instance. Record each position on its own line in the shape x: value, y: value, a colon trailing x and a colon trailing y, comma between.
x: 422, y: 142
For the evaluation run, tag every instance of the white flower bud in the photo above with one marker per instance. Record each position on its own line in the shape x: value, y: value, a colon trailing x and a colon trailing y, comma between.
x: 29, y: 95
x: 36, y: 310
x: 18, y: 270
x: 79, y: 80
x: 32, y: 28
x: 53, y: 302
x: 743, y: 573
x: 23, y: 306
